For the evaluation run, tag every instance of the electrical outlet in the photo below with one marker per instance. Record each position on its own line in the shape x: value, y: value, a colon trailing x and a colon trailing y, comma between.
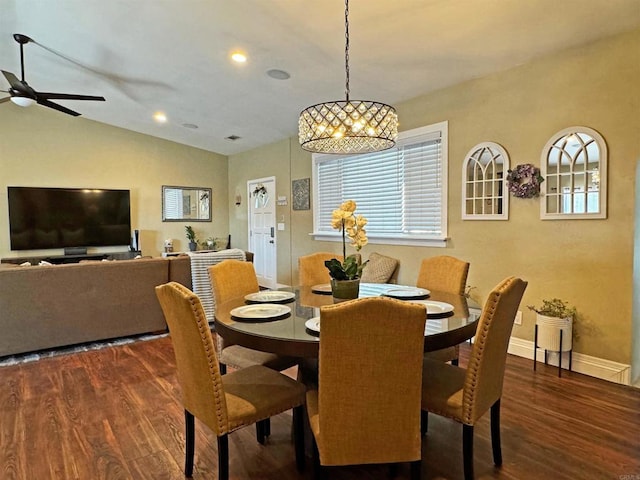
x: 518, y: 320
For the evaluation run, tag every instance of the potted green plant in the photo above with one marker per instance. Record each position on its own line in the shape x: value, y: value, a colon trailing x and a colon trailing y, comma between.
x: 345, y: 275
x: 552, y: 317
x: 191, y: 236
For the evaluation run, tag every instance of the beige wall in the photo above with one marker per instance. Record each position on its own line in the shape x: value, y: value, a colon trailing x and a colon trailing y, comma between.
x: 44, y: 148
x: 272, y: 160
x: 586, y: 262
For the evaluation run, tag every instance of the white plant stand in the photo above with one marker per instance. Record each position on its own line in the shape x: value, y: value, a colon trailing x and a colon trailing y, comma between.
x: 553, y: 334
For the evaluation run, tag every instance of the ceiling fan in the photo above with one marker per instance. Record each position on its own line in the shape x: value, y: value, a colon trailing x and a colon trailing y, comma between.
x: 24, y: 95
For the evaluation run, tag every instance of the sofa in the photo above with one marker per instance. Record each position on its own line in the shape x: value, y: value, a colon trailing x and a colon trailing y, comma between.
x: 43, y: 307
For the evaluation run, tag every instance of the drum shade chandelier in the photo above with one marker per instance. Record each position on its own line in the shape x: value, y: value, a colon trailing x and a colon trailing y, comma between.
x: 348, y: 126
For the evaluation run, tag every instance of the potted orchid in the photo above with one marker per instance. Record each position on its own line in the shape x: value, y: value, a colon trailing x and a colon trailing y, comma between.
x: 345, y: 275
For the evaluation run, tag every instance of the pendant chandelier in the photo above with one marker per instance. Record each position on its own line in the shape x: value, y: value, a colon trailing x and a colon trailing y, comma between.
x: 348, y: 126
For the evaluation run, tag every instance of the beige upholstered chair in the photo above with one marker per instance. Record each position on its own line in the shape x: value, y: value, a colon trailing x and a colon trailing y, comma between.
x: 465, y: 395
x: 380, y: 269
x: 446, y: 274
x: 231, y: 279
x: 223, y: 403
x: 311, y: 268
x: 367, y: 405
x: 443, y: 273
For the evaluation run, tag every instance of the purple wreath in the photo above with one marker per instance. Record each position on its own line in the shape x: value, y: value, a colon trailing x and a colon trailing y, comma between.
x: 524, y: 181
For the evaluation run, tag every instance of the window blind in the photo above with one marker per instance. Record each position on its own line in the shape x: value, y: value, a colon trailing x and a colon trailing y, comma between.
x: 400, y: 191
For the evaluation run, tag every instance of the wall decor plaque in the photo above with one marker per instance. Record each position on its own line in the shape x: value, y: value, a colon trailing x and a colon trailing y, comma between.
x: 301, y: 194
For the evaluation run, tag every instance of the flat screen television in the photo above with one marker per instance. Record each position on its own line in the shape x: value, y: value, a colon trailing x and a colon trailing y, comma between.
x: 42, y: 218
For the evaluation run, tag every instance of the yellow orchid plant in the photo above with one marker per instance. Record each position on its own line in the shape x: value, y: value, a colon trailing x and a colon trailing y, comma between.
x: 352, y: 226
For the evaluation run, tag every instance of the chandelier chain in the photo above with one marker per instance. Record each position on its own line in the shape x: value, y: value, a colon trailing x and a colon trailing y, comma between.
x: 346, y: 47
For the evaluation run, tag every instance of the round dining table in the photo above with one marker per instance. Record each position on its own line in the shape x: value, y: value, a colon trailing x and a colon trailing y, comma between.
x: 286, y: 332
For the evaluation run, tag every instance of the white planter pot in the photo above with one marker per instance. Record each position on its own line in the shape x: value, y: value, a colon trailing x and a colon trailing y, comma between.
x: 549, y: 329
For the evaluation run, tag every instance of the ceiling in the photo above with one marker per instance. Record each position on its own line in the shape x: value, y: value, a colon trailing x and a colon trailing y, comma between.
x: 172, y: 56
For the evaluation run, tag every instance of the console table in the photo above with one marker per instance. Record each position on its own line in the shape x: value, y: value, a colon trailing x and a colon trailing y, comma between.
x: 177, y: 254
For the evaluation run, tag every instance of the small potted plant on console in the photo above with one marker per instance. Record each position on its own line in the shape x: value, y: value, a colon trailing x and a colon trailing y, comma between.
x: 191, y: 236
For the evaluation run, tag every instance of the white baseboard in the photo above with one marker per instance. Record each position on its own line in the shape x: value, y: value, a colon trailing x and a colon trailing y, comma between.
x: 585, y: 364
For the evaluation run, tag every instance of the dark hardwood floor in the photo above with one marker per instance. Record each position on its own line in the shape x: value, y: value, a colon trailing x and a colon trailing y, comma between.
x: 114, y: 414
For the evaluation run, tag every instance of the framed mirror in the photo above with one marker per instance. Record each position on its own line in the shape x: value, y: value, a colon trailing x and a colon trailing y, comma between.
x: 186, y: 203
x: 574, y: 164
x: 484, y: 193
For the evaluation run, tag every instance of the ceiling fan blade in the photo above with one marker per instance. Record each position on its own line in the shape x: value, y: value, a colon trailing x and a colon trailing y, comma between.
x: 67, y: 96
x: 5, y: 99
x: 55, y: 106
x: 18, y: 86
x: 13, y: 80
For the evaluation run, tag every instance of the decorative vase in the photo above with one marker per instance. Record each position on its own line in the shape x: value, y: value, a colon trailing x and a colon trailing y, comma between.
x: 344, y: 289
x: 193, y: 246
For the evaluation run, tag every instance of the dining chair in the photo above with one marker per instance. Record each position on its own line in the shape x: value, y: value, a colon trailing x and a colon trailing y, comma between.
x: 231, y: 279
x: 464, y: 395
x: 366, y: 408
x: 311, y: 268
x: 446, y: 274
x: 224, y: 403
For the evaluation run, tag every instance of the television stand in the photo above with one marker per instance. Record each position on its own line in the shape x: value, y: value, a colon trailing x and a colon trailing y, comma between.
x: 62, y: 259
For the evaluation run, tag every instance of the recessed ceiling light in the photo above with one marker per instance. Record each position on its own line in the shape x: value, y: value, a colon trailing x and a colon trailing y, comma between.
x: 238, y: 57
x: 160, y: 117
x: 190, y: 125
x: 278, y: 74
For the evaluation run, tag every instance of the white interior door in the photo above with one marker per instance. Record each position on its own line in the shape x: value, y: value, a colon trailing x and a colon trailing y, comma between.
x: 262, y: 229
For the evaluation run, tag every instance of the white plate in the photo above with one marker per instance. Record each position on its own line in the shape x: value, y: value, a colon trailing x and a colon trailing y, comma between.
x: 313, y: 324
x: 435, y: 308
x: 260, y: 311
x: 267, y: 296
x: 405, y: 293
x: 322, y: 289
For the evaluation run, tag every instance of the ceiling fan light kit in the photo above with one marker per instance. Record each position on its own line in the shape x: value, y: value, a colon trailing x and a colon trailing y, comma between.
x: 348, y: 126
x: 22, y: 101
x: 22, y: 94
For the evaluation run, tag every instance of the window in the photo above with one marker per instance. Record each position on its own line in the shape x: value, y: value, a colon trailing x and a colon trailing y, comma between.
x: 401, y: 191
